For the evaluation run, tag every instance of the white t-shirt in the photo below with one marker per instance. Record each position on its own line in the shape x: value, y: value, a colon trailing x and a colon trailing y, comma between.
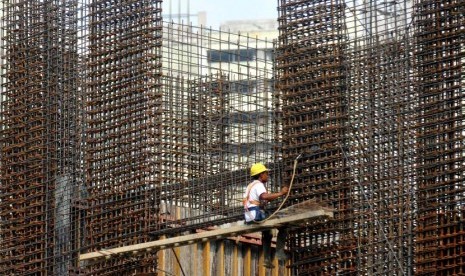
x: 257, y: 189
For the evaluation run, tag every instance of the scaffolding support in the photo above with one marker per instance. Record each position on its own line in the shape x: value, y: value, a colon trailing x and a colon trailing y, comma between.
x: 288, y: 220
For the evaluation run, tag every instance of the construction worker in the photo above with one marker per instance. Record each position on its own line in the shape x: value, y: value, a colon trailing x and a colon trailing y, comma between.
x: 255, y: 197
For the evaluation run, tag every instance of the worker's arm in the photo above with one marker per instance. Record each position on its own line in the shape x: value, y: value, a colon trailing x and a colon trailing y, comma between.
x: 272, y: 196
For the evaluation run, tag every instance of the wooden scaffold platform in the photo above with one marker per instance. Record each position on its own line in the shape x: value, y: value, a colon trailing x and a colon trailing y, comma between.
x: 296, y: 215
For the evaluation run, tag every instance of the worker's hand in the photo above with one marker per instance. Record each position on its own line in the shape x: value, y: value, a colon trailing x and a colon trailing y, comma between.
x: 284, y: 190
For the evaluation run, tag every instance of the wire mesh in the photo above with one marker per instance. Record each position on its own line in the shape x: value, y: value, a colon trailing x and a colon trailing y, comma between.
x: 123, y: 122
x: 40, y: 142
x: 108, y: 139
x: 439, y: 58
x: 370, y: 93
x: 117, y: 128
x: 218, y: 120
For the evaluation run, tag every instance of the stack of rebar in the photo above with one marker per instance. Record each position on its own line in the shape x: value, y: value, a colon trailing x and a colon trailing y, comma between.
x: 381, y: 154
x: 123, y: 128
x: 109, y: 138
x: 217, y: 121
x: 345, y: 80
x: 312, y: 80
x: 439, y: 59
x: 39, y: 137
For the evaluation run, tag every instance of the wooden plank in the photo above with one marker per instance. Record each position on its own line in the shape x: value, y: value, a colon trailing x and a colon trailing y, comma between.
x: 195, y: 251
x: 248, y: 262
x: 220, y: 271
x: 235, y: 262
x: 207, y: 236
x: 206, y: 259
x: 177, y: 266
x: 261, y: 261
x: 161, y: 259
x: 176, y: 251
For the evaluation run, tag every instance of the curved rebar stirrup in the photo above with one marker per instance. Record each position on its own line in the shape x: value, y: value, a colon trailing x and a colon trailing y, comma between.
x: 288, y: 192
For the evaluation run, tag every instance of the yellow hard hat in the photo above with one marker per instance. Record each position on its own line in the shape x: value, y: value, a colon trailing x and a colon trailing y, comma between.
x: 257, y: 168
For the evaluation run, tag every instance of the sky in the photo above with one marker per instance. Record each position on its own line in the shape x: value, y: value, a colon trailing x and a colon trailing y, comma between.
x: 219, y: 11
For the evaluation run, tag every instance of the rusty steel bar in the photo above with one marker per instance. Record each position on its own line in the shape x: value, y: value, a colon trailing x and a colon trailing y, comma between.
x: 311, y: 77
x: 402, y: 141
x: 39, y: 137
x: 123, y: 122
x: 117, y: 129
x: 439, y: 60
x: 217, y: 121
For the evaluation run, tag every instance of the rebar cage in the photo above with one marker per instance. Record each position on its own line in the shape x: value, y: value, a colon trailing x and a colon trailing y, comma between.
x: 118, y: 128
x: 371, y: 93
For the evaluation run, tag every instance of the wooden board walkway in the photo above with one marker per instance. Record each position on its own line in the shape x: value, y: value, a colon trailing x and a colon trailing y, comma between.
x: 297, y: 215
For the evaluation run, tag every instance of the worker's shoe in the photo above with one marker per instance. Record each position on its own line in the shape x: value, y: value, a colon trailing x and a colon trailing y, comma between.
x: 281, y: 255
x: 268, y: 264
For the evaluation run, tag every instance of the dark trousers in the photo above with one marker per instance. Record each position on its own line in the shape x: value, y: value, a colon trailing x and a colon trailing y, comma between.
x: 280, y: 242
x: 267, y: 235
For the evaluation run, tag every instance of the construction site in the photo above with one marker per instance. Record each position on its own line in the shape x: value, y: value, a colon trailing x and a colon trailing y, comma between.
x: 127, y: 139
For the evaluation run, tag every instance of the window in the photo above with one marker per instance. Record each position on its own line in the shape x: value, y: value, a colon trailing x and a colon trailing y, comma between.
x: 239, y: 55
x: 245, y: 87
